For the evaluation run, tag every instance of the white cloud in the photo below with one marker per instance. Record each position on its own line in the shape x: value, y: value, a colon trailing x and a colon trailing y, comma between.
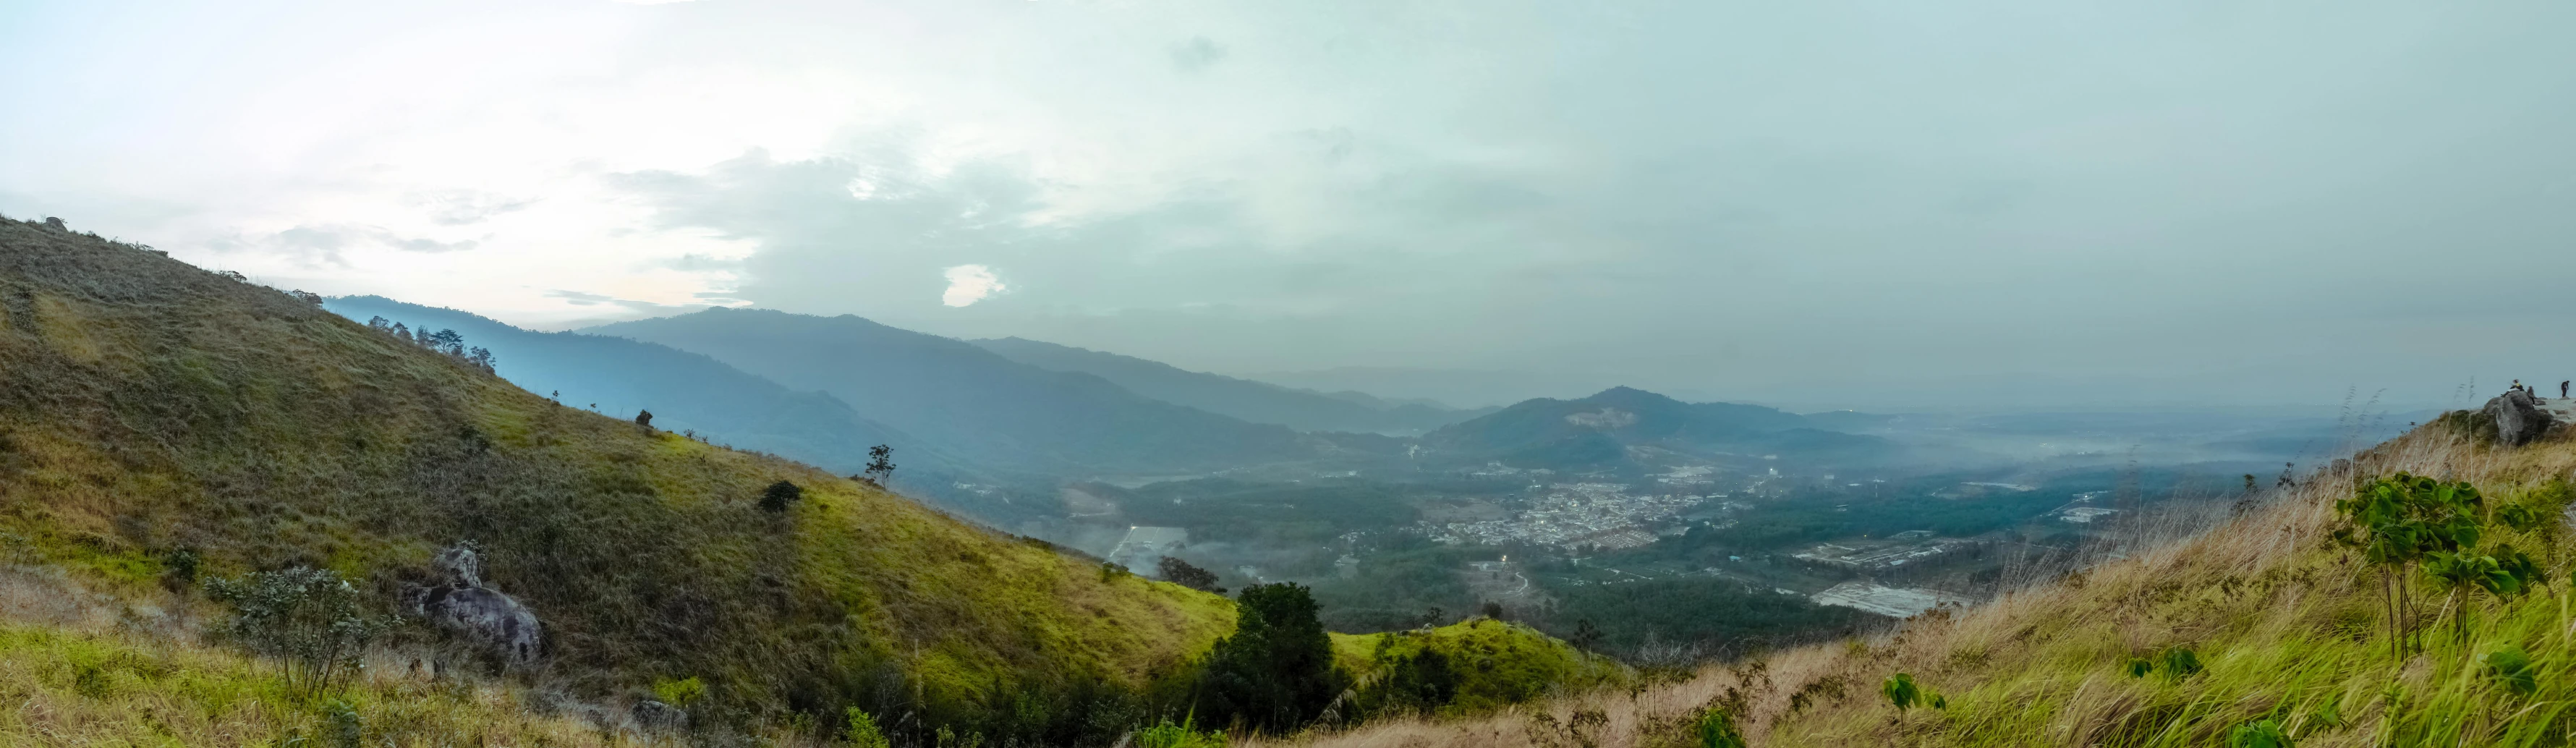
x: 968, y: 284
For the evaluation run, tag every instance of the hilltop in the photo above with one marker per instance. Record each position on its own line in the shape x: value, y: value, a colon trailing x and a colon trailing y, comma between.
x: 152, y: 411
x: 1607, y: 427
x: 2262, y: 627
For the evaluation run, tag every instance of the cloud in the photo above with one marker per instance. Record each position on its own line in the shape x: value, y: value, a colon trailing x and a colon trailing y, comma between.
x: 968, y: 284
x: 1196, y: 54
x: 326, y: 243
x: 585, y: 298
x: 460, y: 207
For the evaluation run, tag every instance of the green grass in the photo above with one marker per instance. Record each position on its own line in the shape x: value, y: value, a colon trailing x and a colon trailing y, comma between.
x: 1497, y: 663
x: 68, y: 689
x: 149, y: 406
x: 2289, y: 628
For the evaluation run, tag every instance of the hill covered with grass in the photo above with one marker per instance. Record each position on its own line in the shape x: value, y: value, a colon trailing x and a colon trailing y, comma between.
x: 2265, y: 630
x: 159, y: 422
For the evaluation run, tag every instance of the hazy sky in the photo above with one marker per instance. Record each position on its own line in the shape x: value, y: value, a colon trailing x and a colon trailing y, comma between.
x: 1814, y: 203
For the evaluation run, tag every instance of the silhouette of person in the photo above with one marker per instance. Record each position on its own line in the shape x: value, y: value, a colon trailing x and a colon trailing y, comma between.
x: 2562, y: 389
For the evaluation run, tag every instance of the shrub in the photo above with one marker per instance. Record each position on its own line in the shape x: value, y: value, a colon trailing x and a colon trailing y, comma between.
x: 778, y: 495
x: 2511, y: 668
x: 1183, y: 735
x: 862, y: 731
x: 1276, y: 672
x: 1180, y: 572
x: 680, y: 693
x: 1901, y: 691
x: 308, y: 618
x: 1716, y: 729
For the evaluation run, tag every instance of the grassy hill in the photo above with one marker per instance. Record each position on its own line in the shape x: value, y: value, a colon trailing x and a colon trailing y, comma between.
x: 148, y: 407
x: 1493, y: 663
x: 2287, y: 632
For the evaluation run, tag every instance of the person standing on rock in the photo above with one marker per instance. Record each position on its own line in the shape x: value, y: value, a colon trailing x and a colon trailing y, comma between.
x: 2562, y: 389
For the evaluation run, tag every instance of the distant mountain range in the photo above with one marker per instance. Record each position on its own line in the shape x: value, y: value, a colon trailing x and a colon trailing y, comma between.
x: 1016, y: 411
x: 1257, y: 402
x: 1606, y: 428
x: 685, y: 391
x: 978, y: 404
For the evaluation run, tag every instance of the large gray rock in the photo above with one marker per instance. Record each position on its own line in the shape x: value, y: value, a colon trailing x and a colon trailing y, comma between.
x: 2518, y: 418
x: 464, y: 606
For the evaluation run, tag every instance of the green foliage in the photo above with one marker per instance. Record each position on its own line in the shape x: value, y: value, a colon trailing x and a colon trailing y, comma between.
x: 680, y: 693
x: 2511, y: 668
x: 1276, y: 672
x: 1716, y: 728
x: 2401, y: 521
x: 1901, y: 691
x: 310, y: 619
x: 2139, y: 667
x: 2180, y: 663
x: 2261, y: 733
x: 861, y: 730
x: 779, y: 495
x: 1184, y: 735
x: 342, y: 727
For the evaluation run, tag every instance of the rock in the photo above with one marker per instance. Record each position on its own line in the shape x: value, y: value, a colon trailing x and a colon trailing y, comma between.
x: 464, y: 606
x: 654, y: 715
x: 2518, y: 418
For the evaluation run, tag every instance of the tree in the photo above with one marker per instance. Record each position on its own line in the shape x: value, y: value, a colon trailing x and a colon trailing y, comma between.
x: 1276, y: 672
x: 2400, y: 521
x: 308, y: 618
x: 778, y: 495
x: 880, y: 464
x: 1173, y: 569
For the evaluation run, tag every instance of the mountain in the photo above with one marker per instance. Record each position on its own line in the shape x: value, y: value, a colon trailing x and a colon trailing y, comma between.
x: 1601, y: 429
x: 1257, y: 402
x: 973, y: 402
x: 685, y: 391
x: 158, y: 421
x: 1451, y: 387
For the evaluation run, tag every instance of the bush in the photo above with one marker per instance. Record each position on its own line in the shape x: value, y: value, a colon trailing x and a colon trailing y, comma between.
x: 1276, y: 672
x: 862, y: 731
x: 779, y: 495
x: 1182, y: 573
x: 1168, y: 735
x: 309, y: 618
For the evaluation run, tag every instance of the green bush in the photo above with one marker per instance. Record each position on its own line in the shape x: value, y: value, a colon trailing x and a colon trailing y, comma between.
x: 1276, y: 672
x: 1183, y: 735
x: 310, y: 619
x: 862, y: 731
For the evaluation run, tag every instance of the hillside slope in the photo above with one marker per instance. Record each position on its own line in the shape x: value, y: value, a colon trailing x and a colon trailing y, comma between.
x: 2287, y: 631
x: 1257, y: 402
x: 147, y: 406
x: 983, y: 407
x: 692, y: 392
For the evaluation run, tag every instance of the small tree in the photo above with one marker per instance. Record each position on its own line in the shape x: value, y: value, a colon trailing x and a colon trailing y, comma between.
x: 880, y: 464
x: 310, y: 619
x: 1901, y: 691
x: 1173, y: 569
x: 778, y: 495
x: 1276, y: 672
x: 1716, y: 729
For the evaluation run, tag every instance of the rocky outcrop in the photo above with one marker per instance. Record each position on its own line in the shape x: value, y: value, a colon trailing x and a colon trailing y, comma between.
x: 2517, y: 417
x: 463, y: 605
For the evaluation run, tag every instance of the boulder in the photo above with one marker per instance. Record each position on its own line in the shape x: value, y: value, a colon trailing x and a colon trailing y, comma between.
x: 464, y: 606
x: 2518, y: 418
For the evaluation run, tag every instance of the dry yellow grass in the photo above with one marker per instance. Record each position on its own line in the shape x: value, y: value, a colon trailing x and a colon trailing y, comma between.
x: 2288, y: 624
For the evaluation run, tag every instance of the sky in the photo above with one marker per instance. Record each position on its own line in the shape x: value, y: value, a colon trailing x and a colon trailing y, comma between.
x: 1878, y: 205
